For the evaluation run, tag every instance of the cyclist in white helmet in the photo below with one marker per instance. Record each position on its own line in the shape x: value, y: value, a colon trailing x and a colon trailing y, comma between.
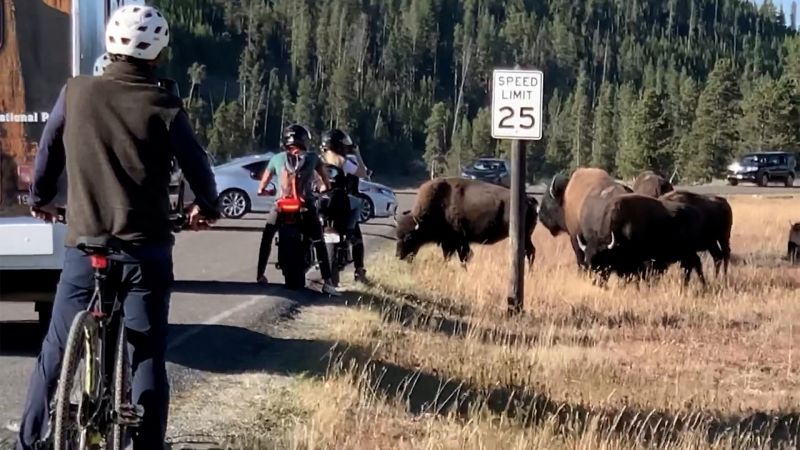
x: 117, y: 153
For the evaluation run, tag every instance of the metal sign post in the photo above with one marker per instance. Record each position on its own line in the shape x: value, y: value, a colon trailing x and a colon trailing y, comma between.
x: 517, y: 102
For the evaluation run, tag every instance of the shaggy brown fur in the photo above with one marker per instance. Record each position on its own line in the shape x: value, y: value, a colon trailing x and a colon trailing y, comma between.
x: 651, y: 184
x: 794, y: 243
x: 717, y: 221
x: 454, y: 212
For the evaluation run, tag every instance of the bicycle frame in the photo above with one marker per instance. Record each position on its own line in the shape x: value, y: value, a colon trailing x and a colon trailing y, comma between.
x: 98, y: 308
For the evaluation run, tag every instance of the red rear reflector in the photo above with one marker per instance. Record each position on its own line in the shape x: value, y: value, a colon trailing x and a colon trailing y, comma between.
x: 99, y: 262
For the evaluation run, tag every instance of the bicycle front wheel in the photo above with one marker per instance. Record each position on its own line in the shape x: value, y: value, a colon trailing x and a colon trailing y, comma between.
x: 76, y: 401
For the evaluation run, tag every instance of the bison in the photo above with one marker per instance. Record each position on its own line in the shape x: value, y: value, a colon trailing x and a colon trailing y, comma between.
x: 793, y: 251
x: 634, y: 233
x: 454, y: 212
x: 651, y: 184
x: 716, y: 224
x: 563, y: 202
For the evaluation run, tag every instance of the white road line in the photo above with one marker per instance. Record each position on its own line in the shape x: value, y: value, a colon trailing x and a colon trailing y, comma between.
x: 214, y: 320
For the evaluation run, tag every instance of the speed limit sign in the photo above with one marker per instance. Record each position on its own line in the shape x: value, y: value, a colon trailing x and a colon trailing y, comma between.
x: 517, y: 101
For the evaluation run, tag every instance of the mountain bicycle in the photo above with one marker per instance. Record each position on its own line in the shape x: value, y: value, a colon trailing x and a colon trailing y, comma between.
x: 96, y: 349
x: 93, y: 408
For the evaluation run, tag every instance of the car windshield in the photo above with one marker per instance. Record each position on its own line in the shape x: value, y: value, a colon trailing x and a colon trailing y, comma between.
x: 751, y: 160
x: 487, y: 165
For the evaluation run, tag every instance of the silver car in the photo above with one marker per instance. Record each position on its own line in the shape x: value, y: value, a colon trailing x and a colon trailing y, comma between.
x: 238, y: 180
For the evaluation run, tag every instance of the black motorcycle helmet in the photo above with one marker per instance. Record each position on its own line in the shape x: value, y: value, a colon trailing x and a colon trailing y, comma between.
x: 337, y: 141
x: 298, y: 135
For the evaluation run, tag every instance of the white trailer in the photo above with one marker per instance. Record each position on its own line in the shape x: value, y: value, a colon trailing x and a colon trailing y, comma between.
x: 42, y: 43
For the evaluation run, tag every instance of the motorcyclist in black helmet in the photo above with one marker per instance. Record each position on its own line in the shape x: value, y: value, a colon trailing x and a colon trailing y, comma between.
x: 339, y: 151
x: 296, y: 161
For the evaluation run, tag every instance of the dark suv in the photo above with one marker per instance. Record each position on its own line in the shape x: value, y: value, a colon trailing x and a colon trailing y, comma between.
x: 764, y: 167
x: 491, y: 170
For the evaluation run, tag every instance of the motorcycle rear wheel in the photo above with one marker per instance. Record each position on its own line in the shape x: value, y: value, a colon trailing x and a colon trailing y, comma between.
x: 290, y: 259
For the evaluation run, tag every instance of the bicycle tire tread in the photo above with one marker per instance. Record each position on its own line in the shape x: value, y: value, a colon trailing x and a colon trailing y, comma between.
x: 121, y: 383
x: 72, y: 355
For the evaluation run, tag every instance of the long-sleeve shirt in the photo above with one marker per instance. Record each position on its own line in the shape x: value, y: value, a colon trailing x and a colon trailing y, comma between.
x: 118, y: 158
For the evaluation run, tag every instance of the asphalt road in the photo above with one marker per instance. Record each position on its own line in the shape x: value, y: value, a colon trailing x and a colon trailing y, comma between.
x: 215, y: 301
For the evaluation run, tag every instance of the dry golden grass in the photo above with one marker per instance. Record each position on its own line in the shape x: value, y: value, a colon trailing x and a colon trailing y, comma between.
x: 428, y: 358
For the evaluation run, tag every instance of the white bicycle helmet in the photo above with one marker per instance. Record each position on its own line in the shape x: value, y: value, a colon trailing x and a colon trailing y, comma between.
x: 100, y: 64
x: 138, y: 31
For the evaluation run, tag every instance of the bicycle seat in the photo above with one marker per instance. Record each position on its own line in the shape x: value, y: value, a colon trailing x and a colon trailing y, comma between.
x: 98, y: 245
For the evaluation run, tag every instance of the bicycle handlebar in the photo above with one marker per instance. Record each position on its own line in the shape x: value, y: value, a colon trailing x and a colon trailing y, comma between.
x: 178, y: 220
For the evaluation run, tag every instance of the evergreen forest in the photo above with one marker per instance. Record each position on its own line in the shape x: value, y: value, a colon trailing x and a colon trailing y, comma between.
x: 677, y: 86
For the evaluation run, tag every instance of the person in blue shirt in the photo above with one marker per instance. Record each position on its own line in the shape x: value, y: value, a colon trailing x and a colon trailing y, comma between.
x: 296, y: 161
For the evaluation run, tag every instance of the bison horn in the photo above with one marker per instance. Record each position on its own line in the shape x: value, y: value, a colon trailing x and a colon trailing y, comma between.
x: 552, y: 184
x: 416, y: 223
x: 581, y: 244
x: 613, y: 241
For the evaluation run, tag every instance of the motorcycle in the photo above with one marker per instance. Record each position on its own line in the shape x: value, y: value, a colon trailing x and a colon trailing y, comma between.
x: 296, y: 253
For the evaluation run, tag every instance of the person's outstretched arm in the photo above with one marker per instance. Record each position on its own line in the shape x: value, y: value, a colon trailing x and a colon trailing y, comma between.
x: 50, y: 159
x: 194, y: 163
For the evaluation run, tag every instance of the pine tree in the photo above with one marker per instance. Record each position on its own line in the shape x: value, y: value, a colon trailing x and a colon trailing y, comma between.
x: 714, y: 137
x: 582, y: 122
x: 559, y: 129
x: 604, y: 144
x: 770, y: 117
x: 227, y: 137
x: 304, y: 104
x: 482, y: 142
x: 436, y: 139
x: 627, y: 103
x: 651, y: 130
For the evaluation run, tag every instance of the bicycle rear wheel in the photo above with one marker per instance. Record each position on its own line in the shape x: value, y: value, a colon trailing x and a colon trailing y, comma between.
x: 122, y: 384
x: 82, y: 346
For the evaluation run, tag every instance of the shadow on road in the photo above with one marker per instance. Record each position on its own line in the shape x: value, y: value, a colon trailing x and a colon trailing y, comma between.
x: 21, y: 338
x: 210, y: 287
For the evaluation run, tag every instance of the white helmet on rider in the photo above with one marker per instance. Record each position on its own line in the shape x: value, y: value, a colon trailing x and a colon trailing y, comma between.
x: 100, y: 64
x: 138, y: 31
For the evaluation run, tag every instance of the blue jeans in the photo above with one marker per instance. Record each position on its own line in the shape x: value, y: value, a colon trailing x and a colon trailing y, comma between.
x: 144, y: 286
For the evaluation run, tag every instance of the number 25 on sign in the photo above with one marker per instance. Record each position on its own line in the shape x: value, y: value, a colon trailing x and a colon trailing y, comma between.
x: 517, y: 98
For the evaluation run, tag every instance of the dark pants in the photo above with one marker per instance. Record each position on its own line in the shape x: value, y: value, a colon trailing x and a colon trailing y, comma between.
x: 311, y: 227
x: 358, y: 247
x: 144, y: 286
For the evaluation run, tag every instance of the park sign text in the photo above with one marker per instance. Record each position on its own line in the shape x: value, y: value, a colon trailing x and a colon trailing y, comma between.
x: 517, y: 103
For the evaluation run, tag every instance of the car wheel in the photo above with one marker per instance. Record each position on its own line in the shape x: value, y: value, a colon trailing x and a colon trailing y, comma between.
x: 367, y: 209
x: 763, y: 180
x: 234, y: 203
x: 733, y: 182
x: 790, y: 180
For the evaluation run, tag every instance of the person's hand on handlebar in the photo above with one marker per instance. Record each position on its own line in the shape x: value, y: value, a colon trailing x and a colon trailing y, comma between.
x: 198, y: 221
x: 48, y: 213
x: 267, y: 190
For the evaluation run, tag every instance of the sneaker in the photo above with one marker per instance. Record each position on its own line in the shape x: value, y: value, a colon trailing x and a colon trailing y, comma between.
x: 329, y: 289
x: 360, y: 275
x: 13, y: 426
x: 262, y: 280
